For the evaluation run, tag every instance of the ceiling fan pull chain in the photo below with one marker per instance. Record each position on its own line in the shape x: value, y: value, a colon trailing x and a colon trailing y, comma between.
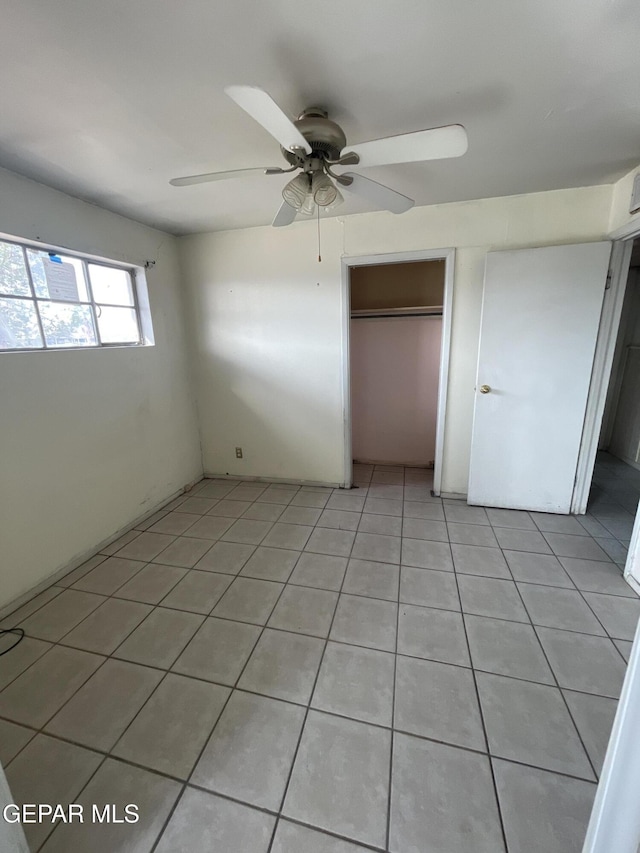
x: 319, y: 255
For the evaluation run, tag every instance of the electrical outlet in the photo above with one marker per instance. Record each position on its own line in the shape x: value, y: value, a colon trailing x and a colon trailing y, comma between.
x: 238, y: 453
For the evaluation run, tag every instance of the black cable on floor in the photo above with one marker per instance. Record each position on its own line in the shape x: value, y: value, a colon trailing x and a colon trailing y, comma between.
x: 20, y: 634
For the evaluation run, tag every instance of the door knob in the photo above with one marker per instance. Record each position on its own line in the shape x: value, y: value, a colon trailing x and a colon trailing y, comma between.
x: 484, y: 389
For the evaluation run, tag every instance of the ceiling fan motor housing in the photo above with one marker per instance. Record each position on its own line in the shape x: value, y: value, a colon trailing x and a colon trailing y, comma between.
x: 325, y: 137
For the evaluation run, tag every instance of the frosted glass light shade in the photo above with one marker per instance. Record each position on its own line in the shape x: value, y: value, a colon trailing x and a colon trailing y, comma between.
x: 336, y: 202
x: 309, y: 206
x: 296, y: 191
x: 323, y: 189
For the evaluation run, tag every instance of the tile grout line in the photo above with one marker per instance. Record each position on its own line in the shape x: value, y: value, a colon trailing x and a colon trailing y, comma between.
x: 210, y: 735
x: 210, y: 615
x: 206, y: 481
x: 85, y: 651
x: 604, y: 628
x: 551, y: 669
x: 108, y: 754
x: 286, y: 582
x: 166, y: 673
x: 41, y: 730
x: 76, y: 797
x: 581, y: 593
x: 329, y: 832
x: 596, y: 775
x: 164, y: 775
x: 274, y: 628
x: 482, y: 720
x: 308, y: 705
x: 559, y: 689
x: 39, y: 607
x: 573, y: 588
x: 316, y: 636
x: 324, y: 711
x: 215, y: 541
x: 393, y: 690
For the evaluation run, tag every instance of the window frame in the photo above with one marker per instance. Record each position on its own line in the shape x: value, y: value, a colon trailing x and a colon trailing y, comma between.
x: 85, y: 259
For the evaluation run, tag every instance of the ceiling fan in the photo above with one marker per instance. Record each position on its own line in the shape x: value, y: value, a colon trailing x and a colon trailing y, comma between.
x: 313, y: 146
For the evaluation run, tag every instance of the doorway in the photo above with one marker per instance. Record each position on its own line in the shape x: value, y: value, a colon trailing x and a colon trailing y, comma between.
x: 620, y: 434
x: 612, y: 407
x: 615, y: 488
x: 396, y: 326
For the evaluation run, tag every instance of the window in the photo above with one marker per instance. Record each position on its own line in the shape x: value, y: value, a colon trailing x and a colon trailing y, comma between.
x: 52, y: 300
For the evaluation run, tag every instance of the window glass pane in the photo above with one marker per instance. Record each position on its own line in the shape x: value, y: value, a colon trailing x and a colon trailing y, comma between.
x: 18, y: 324
x: 117, y: 325
x: 13, y: 275
x: 67, y: 325
x: 110, y: 285
x: 37, y: 272
x: 54, y: 285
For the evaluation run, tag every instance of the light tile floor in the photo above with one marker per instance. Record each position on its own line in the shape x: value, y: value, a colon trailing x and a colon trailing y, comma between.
x: 272, y: 668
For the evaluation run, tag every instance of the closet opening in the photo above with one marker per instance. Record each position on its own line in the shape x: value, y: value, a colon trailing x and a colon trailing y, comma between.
x: 398, y: 334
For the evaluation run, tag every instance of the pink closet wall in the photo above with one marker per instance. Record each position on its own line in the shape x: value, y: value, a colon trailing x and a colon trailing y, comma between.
x: 394, y: 388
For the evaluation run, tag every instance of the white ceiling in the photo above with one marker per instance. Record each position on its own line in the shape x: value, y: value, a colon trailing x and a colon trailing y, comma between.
x: 109, y: 99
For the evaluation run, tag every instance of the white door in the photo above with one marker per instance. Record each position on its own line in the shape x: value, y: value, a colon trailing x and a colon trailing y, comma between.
x: 540, y: 316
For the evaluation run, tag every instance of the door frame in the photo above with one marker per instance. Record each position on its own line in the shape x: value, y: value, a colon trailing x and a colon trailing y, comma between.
x: 603, y: 360
x: 349, y: 261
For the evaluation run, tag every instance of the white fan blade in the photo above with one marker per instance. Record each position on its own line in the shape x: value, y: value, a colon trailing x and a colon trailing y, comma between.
x: 285, y: 215
x: 266, y: 112
x: 222, y: 176
x: 378, y: 194
x: 434, y: 144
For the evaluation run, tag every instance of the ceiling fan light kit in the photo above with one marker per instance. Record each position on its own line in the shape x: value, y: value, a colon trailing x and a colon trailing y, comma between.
x: 312, y: 187
x: 315, y: 145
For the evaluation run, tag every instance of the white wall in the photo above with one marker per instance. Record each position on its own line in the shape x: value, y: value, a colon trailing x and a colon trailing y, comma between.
x: 266, y: 322
x: 267, y: 325
x: 90, y: 439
